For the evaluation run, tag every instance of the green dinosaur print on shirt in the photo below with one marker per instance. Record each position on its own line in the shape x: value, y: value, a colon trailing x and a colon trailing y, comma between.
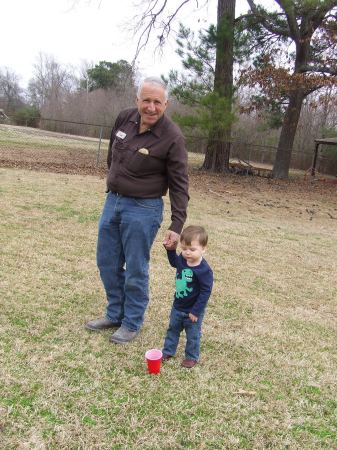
x: 181, y: 283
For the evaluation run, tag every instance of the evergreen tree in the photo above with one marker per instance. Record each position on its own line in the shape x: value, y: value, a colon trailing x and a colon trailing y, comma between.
x: 106, y: 75
x: 207, y: 84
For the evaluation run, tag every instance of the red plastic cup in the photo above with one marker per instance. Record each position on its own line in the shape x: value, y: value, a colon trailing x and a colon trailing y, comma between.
x: 153, y: 359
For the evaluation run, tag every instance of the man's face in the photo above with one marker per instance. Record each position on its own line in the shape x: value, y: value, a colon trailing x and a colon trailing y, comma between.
x: 151, y: 104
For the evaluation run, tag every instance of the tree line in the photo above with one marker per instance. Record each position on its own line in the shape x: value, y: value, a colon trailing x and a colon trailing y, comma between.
x: 273, y: 67
x: 92, y: 93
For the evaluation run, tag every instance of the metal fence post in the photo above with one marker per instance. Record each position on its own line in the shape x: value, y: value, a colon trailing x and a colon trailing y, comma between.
x: 314, y: 162
x: 99, y: 146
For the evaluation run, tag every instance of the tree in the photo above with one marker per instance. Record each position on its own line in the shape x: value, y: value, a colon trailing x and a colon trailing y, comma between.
x: 194, y: 86
x: 217, y: 97
x: 83, y: 77
x: 49, y: 85
x: 295, y: 50
x: 218, y: 148
x: 10, y: 90
x: 105, y: 75
x: 27, y: 116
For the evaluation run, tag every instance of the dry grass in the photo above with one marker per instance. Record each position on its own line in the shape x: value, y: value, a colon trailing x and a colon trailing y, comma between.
x: 267, y: 377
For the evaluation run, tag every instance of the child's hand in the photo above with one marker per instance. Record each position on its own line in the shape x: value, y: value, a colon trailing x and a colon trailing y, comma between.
x: 193, y: 317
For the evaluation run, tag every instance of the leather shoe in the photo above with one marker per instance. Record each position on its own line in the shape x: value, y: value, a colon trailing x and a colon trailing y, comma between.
x: 101, y: 324
x: 189, y: 363
x: 166, y: 357
x: 123, y: 335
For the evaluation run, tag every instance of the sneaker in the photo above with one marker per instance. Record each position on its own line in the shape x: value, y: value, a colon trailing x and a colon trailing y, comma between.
x: 189, y: 363
x: 101, y: 324
x: 166, y: 357
x: 123, y: 335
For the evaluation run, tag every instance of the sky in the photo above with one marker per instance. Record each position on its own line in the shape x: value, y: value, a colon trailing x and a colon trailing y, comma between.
x: 77, y: 31
x: 74, y: 31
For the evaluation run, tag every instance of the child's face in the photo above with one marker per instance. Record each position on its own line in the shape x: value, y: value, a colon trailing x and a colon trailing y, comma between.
x: 192, y: 253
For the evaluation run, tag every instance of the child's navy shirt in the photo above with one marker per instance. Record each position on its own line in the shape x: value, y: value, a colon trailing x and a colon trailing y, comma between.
x: 193, y: 284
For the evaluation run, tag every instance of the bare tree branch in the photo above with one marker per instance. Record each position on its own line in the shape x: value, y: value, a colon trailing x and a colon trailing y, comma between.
x: 319, y: 69
x: 152, y: 19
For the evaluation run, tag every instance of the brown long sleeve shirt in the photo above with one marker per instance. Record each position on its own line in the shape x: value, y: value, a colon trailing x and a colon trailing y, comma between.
x: 146, y: 165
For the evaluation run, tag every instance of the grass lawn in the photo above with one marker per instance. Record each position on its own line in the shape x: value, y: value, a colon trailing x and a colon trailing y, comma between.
x: 267, y: 377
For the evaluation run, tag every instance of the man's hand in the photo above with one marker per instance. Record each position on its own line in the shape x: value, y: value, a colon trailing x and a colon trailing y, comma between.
x: 171, y: 240
x: 192, y: 317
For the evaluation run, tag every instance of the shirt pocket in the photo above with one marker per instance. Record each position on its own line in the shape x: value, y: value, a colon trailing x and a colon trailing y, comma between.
x: 142, y: 164
x: 119, y: 149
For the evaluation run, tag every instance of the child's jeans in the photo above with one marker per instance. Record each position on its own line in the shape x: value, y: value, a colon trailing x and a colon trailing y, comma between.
x: 180, y: 321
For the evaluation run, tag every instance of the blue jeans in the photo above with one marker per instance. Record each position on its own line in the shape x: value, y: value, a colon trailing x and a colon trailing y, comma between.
x: 126, y: 231
x: 180, y: 321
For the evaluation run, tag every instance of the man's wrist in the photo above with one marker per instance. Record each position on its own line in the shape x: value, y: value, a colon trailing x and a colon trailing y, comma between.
x: 176, y: 227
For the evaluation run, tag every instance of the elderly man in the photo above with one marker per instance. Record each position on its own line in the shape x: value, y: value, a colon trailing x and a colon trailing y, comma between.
x: 146, y: 157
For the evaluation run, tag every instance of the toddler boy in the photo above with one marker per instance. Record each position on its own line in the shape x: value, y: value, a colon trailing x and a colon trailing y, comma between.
x: 194, y: 281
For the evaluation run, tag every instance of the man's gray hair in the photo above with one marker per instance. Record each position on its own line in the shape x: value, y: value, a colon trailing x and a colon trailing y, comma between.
x: 153, y: 80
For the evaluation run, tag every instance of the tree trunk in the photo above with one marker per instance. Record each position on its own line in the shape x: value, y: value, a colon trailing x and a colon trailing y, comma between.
x: 218, y: 147
x: 217, y: 151
x: 287, y: 136
x: 301, y: 35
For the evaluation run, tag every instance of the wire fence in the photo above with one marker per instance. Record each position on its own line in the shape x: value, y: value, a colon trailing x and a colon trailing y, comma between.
x: 74, y: 145
x: 55, y: 147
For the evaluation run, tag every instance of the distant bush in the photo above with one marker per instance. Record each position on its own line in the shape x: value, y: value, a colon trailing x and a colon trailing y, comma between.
x: 28, y: 116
